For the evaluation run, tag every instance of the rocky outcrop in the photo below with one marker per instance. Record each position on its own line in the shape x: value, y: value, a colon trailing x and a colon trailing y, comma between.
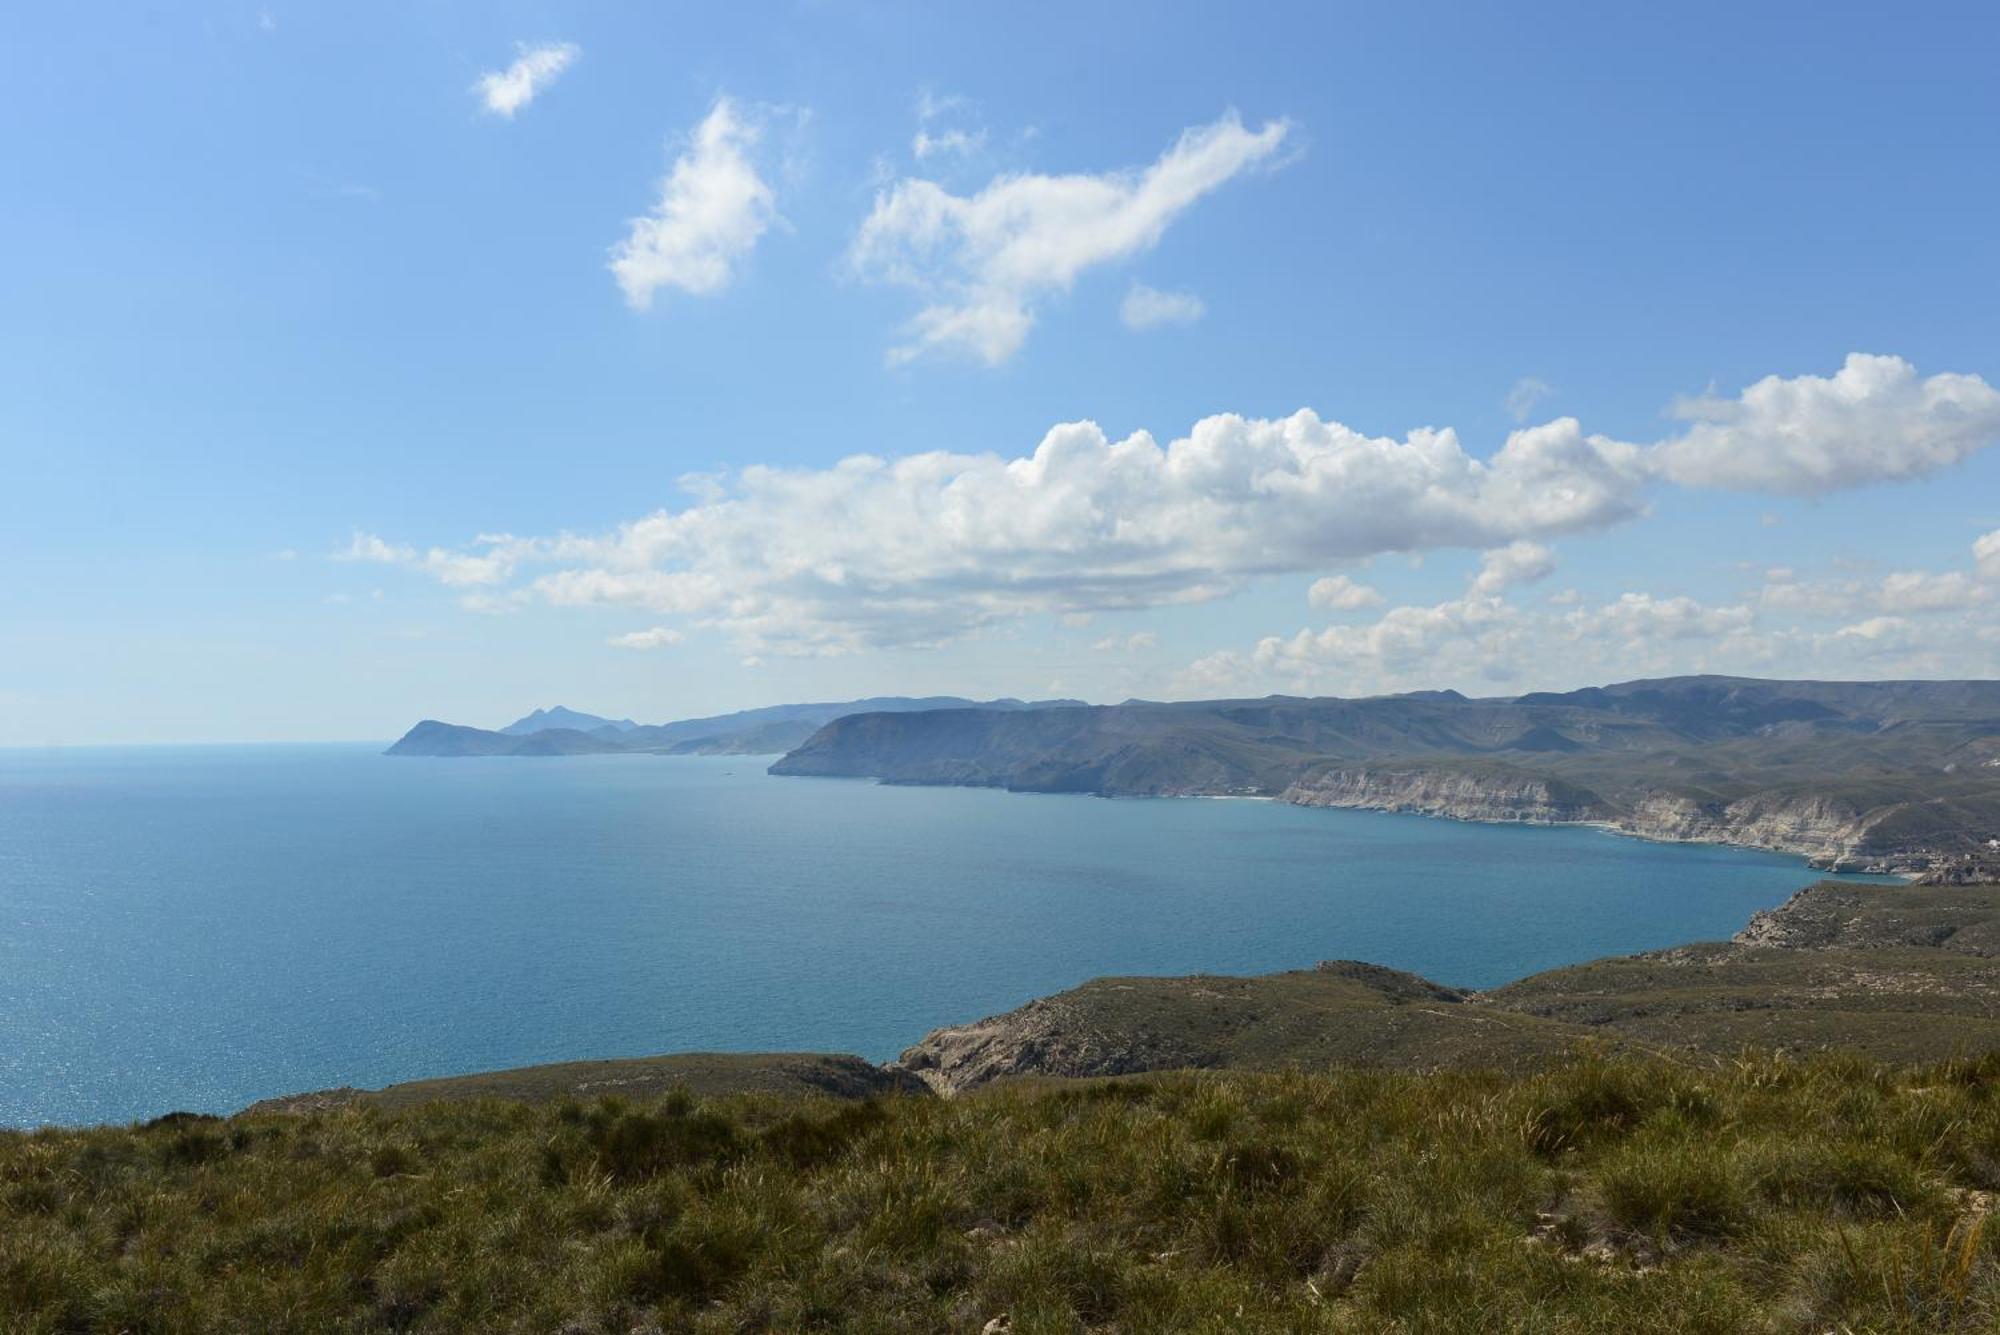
x: 1050, y: 1036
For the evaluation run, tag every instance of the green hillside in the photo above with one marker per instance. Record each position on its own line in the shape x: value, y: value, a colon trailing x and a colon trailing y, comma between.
x: 1621, y: 1193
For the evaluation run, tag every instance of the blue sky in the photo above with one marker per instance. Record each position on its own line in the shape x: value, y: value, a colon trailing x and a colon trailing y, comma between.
x: 295, y: 317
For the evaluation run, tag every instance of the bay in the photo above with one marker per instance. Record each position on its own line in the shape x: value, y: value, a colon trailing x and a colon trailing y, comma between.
x: 198, y: 927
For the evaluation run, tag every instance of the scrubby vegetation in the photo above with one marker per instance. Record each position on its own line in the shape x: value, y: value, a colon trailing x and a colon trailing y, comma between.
x: 1605, y: 1193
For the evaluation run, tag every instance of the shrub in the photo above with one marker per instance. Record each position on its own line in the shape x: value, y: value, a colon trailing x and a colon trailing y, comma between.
x: 1681, y: 1189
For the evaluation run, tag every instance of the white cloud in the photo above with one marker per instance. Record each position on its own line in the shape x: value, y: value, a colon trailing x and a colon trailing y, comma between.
x: 1523, y: 398
x: 1519, y: 562
x: 1901, y: 593
x: 1872, y: 421
x: 713, y: 207
x: 457, y: 569
x: 1137, y: 642
x: 504, y: 92
x: 964, y: 143
x: 1882, y: 634
x: 986, y: 260
x: 1401, y: 639
x: 1480, y: 639
x: 1986, y: 554
x: 1640, y: 617
x: 1341, y: 594
x: 918, y: 550
x: 657, y: 637
x: 1149, y: 308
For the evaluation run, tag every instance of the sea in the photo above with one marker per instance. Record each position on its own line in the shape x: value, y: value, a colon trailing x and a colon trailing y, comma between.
x: 195, y: 928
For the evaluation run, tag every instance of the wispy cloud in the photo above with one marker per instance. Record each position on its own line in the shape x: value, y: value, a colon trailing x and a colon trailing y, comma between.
x: 963, y: 143
x: 505, y: 92
x: 986, y: 260
x: 656, y: 637
x: 1526, y: 395
x: 1149, y: 308
x: 713, y: 207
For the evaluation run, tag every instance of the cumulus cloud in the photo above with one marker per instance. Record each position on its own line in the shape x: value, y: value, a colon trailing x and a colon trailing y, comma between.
x: 1640, y: 617
x: 1485, y: 638
x: 1401, y: 639
x: 1340, y: 594
x: 984, y: 261
x: 656, y: 637
x: 878, y: 553
x: 504, y: 92
x: 1878, y: 635
x: 1520, y: 562
x: 713, y: 207
x: 1986, y: 553
x: 1874, y: 420
x: 1149, y: 308
x: 1899, y: 594
x: 916, y: 551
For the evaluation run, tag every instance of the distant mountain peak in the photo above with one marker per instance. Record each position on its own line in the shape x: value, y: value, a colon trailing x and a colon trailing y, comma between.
x: 562, y: 716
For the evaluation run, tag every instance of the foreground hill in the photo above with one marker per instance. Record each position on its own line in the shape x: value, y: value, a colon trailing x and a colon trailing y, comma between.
x: 768, y: 731
x: 710, y: 1074
x: 1626, y: 1193
x: 1900, y: 776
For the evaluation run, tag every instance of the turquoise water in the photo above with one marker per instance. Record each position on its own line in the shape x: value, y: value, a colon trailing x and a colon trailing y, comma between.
x: 199, y: 927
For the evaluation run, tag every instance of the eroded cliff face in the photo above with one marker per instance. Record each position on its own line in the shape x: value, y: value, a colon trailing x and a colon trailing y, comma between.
x: 1824, y: 830
x: 1459, y: 794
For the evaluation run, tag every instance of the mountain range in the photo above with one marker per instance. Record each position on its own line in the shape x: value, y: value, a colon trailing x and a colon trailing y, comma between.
x: 767, y: 731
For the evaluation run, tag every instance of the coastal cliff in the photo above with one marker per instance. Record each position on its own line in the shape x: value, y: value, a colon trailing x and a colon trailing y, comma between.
x: 1861, y: 776
x: 1503, y: 796
x: 1825, y: 830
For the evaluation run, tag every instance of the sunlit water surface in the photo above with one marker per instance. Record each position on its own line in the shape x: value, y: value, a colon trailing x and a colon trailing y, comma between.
x: 200, y: 927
